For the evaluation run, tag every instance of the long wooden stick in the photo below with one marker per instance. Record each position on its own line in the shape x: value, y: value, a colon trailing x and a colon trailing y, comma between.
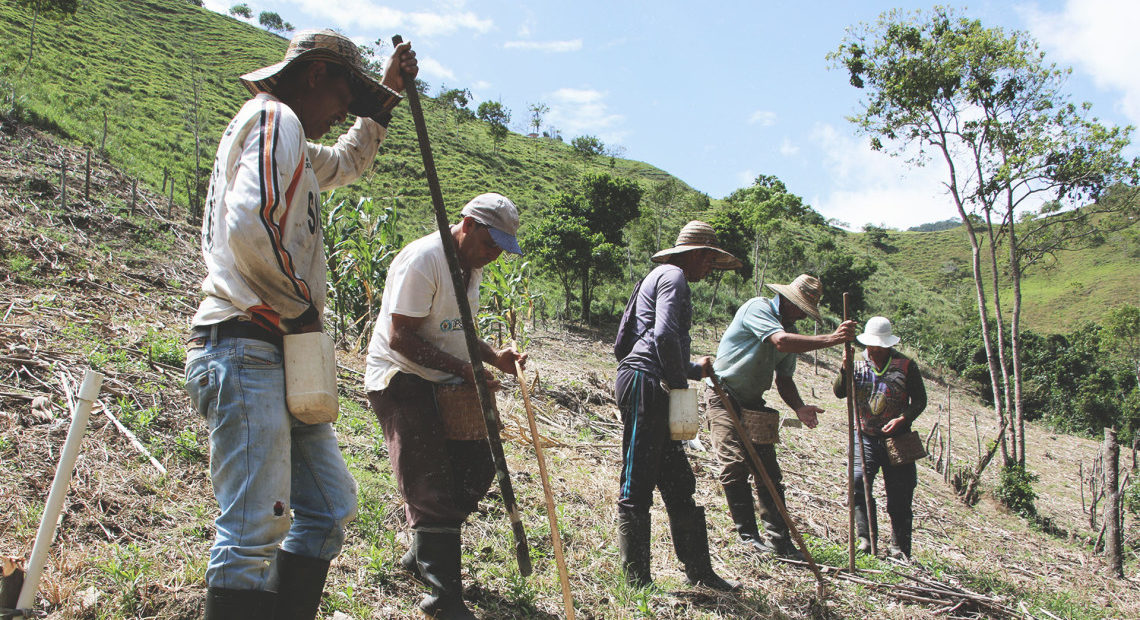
x: 734, y: 415
x: 551, y: 513
x: 490, y: 415
x: 847, y: 352
x: 868, y: 500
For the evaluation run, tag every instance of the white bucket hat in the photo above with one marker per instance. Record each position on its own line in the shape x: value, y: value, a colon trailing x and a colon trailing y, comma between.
x: 877, y: 333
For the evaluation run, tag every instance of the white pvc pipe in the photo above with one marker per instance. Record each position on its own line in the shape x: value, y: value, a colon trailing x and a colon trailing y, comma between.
x: 88, y: 392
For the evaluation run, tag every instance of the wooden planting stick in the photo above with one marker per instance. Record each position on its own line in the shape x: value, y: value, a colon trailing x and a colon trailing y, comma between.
x: 868, y: 500
x: 490, y: 416
x: 758, y: 466
x: 88, y: 392
x: 551, y: 513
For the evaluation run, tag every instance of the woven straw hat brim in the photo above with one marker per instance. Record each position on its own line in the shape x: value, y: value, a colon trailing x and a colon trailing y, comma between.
x: 366, y: 103
x: 869, y: 340
x: 721, y: 260
x: 794, y: 296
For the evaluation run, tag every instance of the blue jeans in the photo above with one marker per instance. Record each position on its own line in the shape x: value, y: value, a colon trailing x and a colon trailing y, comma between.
x: 264, y: 463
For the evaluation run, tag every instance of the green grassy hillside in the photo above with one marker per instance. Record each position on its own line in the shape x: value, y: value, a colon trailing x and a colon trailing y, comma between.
x: 1079, y: 286
x: 140, y: 62
x: 144, y: 67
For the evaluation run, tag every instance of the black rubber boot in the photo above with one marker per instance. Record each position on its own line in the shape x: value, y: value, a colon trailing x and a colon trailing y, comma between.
x: 779, y: 540
x: 900, y: 541
x: 862, y: 530
x: 633, y: 544
x: 408, y: 563
x: 438, y: 555
x: 743, y: 512
x: 224, y: 604
x: 691, y: 541
x: 300, y: 583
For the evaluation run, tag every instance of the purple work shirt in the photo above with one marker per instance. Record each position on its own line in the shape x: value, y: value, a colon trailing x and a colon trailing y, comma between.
x: 663, y: 315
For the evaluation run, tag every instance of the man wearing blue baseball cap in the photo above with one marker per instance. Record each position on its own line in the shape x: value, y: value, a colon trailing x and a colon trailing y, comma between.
x: 417, y: 356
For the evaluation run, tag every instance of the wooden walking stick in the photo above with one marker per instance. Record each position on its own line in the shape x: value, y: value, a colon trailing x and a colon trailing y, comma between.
x: 872, y: 514
x: 551, y: 514
x: 490, y: 416
x: 734, y: 415
x: 847, y: 352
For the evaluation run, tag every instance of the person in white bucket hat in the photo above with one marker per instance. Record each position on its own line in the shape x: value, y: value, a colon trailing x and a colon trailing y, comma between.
x: 889, y: 395
x: 759, y: 344
x: 284, y: 492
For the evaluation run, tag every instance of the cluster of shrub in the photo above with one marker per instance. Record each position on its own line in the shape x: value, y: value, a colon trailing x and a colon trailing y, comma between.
x: 1078, y: 382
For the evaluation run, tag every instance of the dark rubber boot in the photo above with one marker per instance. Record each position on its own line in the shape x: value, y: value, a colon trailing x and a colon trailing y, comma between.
x: 438, y: 555
x: 691, y: 541
x: 300, y: 583
x: 779, y: 539
x: 633, y: 544
x: 900, y: 541
x: 224, y: 604
x: 862, y: 530
x: 743, y: 512
x: 408, y: 563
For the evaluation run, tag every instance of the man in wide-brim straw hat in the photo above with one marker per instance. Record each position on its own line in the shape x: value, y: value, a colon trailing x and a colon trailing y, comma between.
x: 652, y: 349
x: 889, y: 395
x: 761, y: 342
x: 284, y: 492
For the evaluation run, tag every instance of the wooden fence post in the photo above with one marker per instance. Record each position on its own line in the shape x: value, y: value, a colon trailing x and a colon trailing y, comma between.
x: 1113, y: 545
x: 87, y: 175
x: 63, y: 182
x: 949, y: 435
x: 170, y: 202
x: 103, y: 142
x: 134, y: 194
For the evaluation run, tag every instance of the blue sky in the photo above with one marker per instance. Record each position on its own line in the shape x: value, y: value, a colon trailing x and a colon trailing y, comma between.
x: 719, y: 94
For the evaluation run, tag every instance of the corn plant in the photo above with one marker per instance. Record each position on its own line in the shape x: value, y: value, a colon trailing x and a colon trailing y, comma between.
x: 505, y: 293
x: 360, y: 242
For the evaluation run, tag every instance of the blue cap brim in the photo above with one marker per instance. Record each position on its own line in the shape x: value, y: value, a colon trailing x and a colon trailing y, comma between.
x: 508, y: 243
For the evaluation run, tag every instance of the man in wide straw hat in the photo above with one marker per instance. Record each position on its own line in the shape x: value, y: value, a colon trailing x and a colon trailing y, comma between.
x: 889, y: 395
x: 282, y: 485
x: 652, y: 348
x: 761, y: 342
x: 420, y: 384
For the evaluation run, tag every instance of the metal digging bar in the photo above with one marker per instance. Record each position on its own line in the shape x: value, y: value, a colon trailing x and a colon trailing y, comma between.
x: 490, y: 416
x: 734, y: 415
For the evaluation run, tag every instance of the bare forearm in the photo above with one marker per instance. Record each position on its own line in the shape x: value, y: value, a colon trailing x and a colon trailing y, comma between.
x: 798, y: 343
x: 786, y: 386
x: 422, y: 352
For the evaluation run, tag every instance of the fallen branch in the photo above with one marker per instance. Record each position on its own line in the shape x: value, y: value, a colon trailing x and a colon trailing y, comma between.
x: 133, y: 439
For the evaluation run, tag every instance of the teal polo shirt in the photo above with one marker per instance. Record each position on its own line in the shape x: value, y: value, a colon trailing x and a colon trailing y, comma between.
x: 746, y: 359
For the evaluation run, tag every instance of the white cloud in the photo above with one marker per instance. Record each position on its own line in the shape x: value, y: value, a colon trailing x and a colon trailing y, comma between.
x: 764, y: 118
x: 745, y: 178
x: 1099, y: 37
x: 432, y: 67
x: 572, y: 45
x: 577, y: 111
x: 871, y: 187
x: 480, y: 85
x: 789, y: 148
x: 370, y: 15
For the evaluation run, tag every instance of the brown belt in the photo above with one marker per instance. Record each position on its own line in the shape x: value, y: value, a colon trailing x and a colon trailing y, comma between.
x: 234, y: 328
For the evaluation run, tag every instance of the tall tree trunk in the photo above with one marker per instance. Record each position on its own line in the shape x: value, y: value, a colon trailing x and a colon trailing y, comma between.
x: 1015, y: 341
x: 586, y: 296
x: 1000, y: 335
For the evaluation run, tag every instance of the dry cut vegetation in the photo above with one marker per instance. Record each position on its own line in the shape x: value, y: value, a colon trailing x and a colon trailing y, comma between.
x: 95, y: 285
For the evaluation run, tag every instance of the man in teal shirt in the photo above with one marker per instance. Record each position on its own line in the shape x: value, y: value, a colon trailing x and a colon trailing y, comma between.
x: 760, y: 343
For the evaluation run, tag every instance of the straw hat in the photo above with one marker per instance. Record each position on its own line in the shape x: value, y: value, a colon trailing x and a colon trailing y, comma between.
x: 804, y: 291
x: 369, y: 96
x: 877, y: 333
x: 697, y: 235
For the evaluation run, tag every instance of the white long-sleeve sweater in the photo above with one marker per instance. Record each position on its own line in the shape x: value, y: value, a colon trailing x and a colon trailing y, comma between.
x: 261, y: 232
